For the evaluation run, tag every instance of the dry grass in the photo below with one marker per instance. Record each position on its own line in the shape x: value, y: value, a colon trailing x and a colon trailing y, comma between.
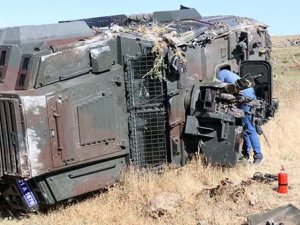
x: 126, y: 202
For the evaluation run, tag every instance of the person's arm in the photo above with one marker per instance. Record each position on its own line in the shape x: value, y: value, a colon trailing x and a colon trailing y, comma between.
x: 222, y: 74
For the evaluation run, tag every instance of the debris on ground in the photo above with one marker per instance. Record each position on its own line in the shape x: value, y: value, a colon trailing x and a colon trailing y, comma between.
x: 295, y: 42
x: 296, y: 67
x: 264, y: 177
x: 162, y: 204
x: 227, y: 188
x: 287, y: 215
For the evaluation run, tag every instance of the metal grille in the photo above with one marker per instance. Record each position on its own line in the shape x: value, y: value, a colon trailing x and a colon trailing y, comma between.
x: 9, y: 163
x: 144, y: 90
x: 148, y: 117
x: 148, y: 143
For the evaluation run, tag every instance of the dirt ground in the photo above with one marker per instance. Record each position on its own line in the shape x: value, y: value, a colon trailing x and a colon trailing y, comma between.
x: 191, y: 195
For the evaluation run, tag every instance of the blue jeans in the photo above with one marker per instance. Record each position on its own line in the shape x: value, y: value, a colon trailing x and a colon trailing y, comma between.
x: 250, y: 136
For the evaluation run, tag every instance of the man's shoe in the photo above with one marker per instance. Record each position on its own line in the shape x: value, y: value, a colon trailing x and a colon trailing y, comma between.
x: 243, y: 159
x: 258, y: 160
x: 244, y: 155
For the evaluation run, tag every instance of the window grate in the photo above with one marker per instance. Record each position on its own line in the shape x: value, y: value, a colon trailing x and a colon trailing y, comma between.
x: 146, y: 101
x: 143, y: 89
x: 148, y: 142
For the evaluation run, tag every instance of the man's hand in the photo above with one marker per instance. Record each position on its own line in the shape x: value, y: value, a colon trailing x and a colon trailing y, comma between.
x: 245, y: 82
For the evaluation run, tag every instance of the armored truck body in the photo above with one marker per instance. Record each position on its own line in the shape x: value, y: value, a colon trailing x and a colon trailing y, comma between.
x: 81, y: 100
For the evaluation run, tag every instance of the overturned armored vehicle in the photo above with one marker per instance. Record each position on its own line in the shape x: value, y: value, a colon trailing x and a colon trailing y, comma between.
x: 80, y: 100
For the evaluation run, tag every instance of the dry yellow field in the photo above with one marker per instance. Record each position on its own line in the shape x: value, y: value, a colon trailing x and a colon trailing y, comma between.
x: 180, y: 195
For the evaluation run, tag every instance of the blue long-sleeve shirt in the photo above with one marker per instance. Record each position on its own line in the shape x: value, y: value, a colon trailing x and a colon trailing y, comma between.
x: 229, y: 77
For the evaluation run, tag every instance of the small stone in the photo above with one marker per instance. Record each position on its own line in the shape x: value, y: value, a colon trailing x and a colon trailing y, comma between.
x: 162, y: 204
x: 202, y: 222
x: 252, y: 203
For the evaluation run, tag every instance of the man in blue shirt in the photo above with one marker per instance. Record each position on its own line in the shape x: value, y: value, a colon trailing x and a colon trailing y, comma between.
x: 251, y: 139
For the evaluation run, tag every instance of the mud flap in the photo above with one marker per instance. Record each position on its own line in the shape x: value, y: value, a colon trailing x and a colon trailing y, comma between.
x: 218, y: 138
x: 223, y: 149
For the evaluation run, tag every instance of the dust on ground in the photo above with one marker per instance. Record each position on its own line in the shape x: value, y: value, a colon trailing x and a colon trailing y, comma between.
x: 196, y: 193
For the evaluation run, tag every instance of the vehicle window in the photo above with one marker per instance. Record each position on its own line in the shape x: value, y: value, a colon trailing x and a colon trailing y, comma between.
x: 2, y: 58
x: 22, y: 81
x: 25, y: 63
